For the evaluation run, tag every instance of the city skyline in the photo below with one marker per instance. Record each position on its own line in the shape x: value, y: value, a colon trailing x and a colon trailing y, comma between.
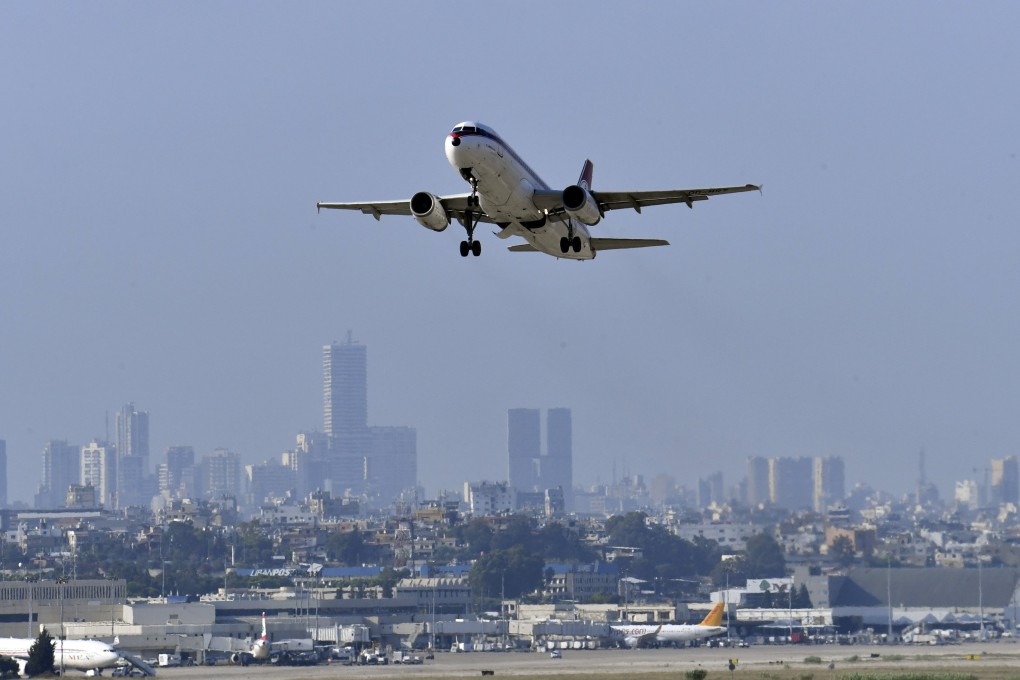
x: 863, y: 306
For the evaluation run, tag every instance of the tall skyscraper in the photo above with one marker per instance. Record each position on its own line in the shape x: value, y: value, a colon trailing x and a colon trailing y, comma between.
x: 345, y: 388
x: 1005, y: 480
x: 557, y: 468
x: 134, y: 486
x: 133, y: 433
x: 758, y: 481
x: 829, y: 482
x: 529, y: 469
x: 61, y: 469
x: 374, y: 462
x: 524, y: 446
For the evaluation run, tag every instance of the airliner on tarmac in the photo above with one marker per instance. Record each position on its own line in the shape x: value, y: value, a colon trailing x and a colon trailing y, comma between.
x: 635, y: 635
x: 263, y: 649
x: 82, y: 655
x: 507, y: 193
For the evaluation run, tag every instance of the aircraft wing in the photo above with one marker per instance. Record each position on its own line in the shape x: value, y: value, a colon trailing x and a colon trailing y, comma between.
x: 613, y: 200
x: 456, y: 205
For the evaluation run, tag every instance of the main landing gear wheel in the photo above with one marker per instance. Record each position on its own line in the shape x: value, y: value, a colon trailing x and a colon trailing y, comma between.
x: 568, y: 244
x: 473, y: 247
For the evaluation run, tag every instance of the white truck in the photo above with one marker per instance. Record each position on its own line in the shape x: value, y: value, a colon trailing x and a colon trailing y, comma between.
x: 168, y: 660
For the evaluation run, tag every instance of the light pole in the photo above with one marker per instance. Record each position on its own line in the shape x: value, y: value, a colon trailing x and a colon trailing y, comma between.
x: 63, y: 636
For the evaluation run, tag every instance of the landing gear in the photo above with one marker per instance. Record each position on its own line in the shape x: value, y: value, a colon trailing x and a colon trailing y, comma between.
x: 471, y: 245
x: 567, y: 244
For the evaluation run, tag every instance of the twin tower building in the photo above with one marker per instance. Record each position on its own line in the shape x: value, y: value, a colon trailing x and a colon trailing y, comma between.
x: 389, y: 454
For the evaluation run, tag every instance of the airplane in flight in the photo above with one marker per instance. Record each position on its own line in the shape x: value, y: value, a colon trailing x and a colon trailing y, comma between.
x: 507, y: 193
x: 81, y: 655
x: 637, y: 635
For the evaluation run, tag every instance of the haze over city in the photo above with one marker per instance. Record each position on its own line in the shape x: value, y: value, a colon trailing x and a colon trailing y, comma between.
x: 160, y: 243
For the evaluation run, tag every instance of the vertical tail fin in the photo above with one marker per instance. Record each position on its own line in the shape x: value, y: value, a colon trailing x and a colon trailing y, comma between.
x: 714, y: 617
x: 586, y: 172
x: 265, y: 636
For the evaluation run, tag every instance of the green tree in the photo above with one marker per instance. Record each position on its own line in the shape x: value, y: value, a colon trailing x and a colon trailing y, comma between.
x: 8, y: 667
x: 514, y: 572
x: 764, y: 557
x: 842, y: 551
x: 801, y: 598
x: 475, y: 536
x: 40, y: 655
x: 347, y: 548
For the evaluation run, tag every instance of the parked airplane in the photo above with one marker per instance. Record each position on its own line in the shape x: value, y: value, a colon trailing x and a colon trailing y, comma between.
x: 263, y: 649
x: 636, y: 635
x: 507, y: 193
x: 81, y: 655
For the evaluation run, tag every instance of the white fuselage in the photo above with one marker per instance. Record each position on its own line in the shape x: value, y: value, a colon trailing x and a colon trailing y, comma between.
x: 82, y: 655
x: 667, y: 633
x: 506, y: 186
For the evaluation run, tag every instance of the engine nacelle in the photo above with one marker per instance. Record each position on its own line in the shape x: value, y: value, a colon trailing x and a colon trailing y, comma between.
x: 429, y: 211
x: 581, y: 205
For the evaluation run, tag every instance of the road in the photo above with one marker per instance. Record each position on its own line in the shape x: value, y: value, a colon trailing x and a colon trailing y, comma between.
x: 642, y: 661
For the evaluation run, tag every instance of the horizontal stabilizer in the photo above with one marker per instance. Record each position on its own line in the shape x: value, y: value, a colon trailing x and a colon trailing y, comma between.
x: 598, y: 244
x: 623, y: 243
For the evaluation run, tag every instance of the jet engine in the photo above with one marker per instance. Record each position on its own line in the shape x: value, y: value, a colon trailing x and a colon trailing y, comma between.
x: 581, y: 205
x: 429, y: 211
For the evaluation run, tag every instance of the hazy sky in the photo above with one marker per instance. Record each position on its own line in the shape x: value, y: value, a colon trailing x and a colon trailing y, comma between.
x: 160, y: 165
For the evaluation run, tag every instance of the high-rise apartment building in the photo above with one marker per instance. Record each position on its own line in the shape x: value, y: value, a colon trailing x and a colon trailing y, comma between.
x: 134, y: 484
x: 524, y: 447
x: 1005, y: 482
x: 829, y: 482
x: 791, y: 483
x: 173, y: 471
x: 710, y: 490
x: 222, y: 470
x: 61, y: 469
x: 557, y: 465
x: 758, y: 481
x: 529, y: 469
x: 99, y: 470
x: 133, y: 433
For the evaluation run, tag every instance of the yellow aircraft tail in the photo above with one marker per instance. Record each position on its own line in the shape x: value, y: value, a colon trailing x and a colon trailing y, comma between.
x: 714, y: 617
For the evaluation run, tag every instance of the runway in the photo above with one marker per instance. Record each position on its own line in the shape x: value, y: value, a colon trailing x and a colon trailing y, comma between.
x: 971, y: 658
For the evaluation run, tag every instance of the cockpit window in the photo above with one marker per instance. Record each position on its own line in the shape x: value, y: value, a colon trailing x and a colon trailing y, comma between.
x: 459, y: 128
x: 470, y: 128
